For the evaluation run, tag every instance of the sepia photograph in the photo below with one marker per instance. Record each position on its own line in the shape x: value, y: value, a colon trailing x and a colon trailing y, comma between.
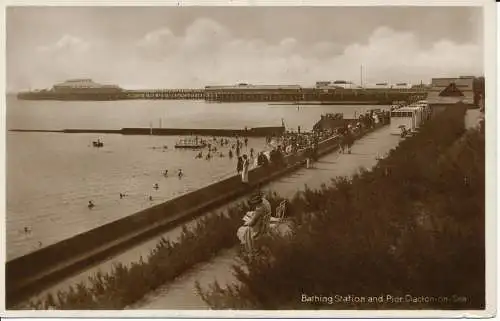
x: 241, y: 157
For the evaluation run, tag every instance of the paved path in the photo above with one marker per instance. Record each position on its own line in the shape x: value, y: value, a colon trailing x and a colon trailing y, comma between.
x: 364, y: 154
x: 181, y: 294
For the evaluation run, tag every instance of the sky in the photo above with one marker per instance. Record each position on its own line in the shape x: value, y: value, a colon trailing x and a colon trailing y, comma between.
x: 190, y: 47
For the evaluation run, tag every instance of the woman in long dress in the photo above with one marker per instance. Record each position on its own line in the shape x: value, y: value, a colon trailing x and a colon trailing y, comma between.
x: 244, y: 172
x: 256, y: 221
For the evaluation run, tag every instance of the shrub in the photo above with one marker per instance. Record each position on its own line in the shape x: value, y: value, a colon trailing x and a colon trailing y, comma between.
x: 414, y: 225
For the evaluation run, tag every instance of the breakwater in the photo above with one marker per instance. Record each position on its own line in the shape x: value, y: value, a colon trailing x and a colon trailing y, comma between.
x: 248, y: 132
x: 31, y: 272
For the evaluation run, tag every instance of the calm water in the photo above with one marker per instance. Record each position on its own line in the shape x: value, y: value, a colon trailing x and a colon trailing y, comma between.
x: 51, y: 177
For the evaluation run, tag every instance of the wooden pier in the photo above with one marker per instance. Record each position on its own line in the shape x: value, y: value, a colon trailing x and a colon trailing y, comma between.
x: 171, y: 94
x: 333, y: 96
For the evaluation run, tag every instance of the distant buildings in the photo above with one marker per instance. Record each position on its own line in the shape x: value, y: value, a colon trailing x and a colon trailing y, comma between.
x: 83, y: 83
x: 76, y: 90
x: 336, y: 84
x: 242, y: 87
x: 446, y: 91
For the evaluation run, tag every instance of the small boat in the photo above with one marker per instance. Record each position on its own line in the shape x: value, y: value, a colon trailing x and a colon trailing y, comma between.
x: 97, y: 144
x: 190, y: 143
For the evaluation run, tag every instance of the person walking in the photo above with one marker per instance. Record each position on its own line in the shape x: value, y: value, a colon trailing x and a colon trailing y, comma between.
x: 239, y: 165
x: 244, y: 173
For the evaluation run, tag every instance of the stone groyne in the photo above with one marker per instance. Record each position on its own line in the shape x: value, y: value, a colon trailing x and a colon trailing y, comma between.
x: 27, y: 274
x: 248, y: 132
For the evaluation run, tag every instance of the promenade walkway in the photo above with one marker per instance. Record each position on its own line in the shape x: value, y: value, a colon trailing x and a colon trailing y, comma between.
x: 363, y: 155
x: 181, y: 293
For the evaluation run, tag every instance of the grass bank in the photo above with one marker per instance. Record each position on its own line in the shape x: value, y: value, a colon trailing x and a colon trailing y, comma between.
x: 408, y: 234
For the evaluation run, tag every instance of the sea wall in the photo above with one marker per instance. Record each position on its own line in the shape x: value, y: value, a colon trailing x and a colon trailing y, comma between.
x: 29, y: 273
x: 251, y: 132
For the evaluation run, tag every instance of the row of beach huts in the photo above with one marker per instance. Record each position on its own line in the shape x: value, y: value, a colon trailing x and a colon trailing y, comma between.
x: 407, y: 119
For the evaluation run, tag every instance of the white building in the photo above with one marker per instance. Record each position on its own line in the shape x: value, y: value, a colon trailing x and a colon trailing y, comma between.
x: 336, y: 84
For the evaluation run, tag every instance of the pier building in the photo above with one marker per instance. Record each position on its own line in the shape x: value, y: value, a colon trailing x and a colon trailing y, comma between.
x: 450, y: 91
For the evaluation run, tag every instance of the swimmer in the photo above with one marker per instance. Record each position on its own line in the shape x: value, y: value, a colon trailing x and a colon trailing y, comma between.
x: 91, y: 205
x: 27, y: 230
x: 156, y: 186
x: 165, y: 173
x: 121, y: 195
x: 150, y: 197
x: 180, y: 174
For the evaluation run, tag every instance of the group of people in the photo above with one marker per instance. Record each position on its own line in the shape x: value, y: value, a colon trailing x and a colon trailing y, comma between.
x: 290, y: 142
x: 235, y: 148
x: 156, y: 187
x: 180, y: 173
x: 280, y: 147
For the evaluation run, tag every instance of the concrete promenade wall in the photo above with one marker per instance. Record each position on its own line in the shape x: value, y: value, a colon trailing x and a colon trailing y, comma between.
x: 34, y: 271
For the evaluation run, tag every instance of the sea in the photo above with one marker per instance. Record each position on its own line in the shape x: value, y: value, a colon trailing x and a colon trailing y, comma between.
x: 51, y: 177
